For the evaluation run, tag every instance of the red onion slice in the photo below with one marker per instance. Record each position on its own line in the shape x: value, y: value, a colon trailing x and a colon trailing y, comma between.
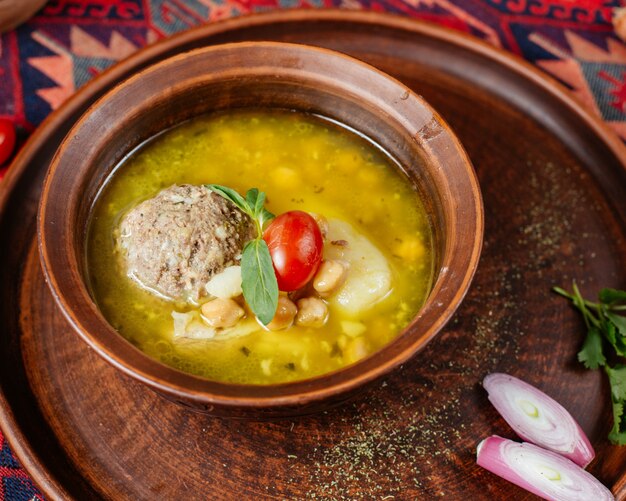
x: 537, y: 418
x: 539, y: 471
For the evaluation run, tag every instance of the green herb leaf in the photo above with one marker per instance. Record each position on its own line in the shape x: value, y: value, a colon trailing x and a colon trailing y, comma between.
x: 610, y: 333
x: 258, y: 280
x: 251, y: 205
x: 616, y: 340
x: 258, y: 206
x: 562, y: 292
x: 617, y: 378
x: 618, y: 432
x: 253, y: 197
x: 603, y: 321
x: 618, y: 321
x: 256, y: 200
x: 265, y: 217
x: 232, y: 195
x: 591, y: 353
x: 610, y: 296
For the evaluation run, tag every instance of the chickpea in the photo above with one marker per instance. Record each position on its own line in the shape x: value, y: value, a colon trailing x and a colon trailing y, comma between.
x: 221, y: 313
x: 312, y: 312
x: 285, y: 313
x: 330, y: 276
x: 322, y: 222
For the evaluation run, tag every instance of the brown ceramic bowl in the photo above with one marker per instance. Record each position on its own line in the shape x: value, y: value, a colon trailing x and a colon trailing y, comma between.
x: 251, y: 75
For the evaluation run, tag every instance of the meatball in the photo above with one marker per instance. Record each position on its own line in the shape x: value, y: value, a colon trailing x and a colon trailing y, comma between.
x: 174, y: 243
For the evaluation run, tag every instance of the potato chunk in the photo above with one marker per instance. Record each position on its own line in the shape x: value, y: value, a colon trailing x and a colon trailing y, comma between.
x: 369, y: 279
x: 226, y: 284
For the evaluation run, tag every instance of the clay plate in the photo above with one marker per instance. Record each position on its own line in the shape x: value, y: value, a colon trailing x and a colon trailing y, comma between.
x: 554, y: 187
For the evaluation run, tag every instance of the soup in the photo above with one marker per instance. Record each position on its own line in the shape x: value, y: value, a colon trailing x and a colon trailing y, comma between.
x: 302, y: 163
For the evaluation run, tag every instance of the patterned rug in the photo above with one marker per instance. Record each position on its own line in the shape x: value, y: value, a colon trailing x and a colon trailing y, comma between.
x: 70, y: 41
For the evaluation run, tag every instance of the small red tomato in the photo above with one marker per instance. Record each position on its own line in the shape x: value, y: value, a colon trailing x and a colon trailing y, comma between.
x: 7, y: 139
x: 295, y: 243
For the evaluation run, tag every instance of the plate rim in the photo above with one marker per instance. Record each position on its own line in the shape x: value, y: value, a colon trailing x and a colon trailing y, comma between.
x: 13, y: 433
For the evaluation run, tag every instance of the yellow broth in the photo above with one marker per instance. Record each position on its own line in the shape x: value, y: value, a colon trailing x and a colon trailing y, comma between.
x: 301, y: 162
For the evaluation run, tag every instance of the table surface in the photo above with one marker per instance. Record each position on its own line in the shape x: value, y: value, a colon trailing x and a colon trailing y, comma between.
x: 69, y: 42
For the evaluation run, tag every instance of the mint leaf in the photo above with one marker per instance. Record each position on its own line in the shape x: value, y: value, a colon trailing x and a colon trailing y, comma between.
x: 610, y: 296
x: 251, y: 198
x: 232, y: 195
x: 256, y: 199
x: 617, y: 378
x: 591, y: 353
x: 265, y: 217
x: 258, y: 280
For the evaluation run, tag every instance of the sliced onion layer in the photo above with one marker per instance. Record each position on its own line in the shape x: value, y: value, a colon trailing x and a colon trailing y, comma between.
x: 542, y: 472
x: 538, y: 418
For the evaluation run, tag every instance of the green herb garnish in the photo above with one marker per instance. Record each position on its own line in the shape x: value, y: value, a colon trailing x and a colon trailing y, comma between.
x: 606, y: 326
x: 258, y: 280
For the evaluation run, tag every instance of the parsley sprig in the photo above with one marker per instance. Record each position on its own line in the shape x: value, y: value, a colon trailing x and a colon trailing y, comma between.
x: 258, y: 280
x: 606, y: 327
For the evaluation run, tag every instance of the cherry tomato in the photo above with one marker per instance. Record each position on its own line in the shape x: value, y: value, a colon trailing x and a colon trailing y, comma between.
x: 295, y: 243
x: 7, y: 139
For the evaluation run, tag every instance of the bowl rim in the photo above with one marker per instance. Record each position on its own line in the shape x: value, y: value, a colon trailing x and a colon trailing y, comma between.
x: 209, y: 392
